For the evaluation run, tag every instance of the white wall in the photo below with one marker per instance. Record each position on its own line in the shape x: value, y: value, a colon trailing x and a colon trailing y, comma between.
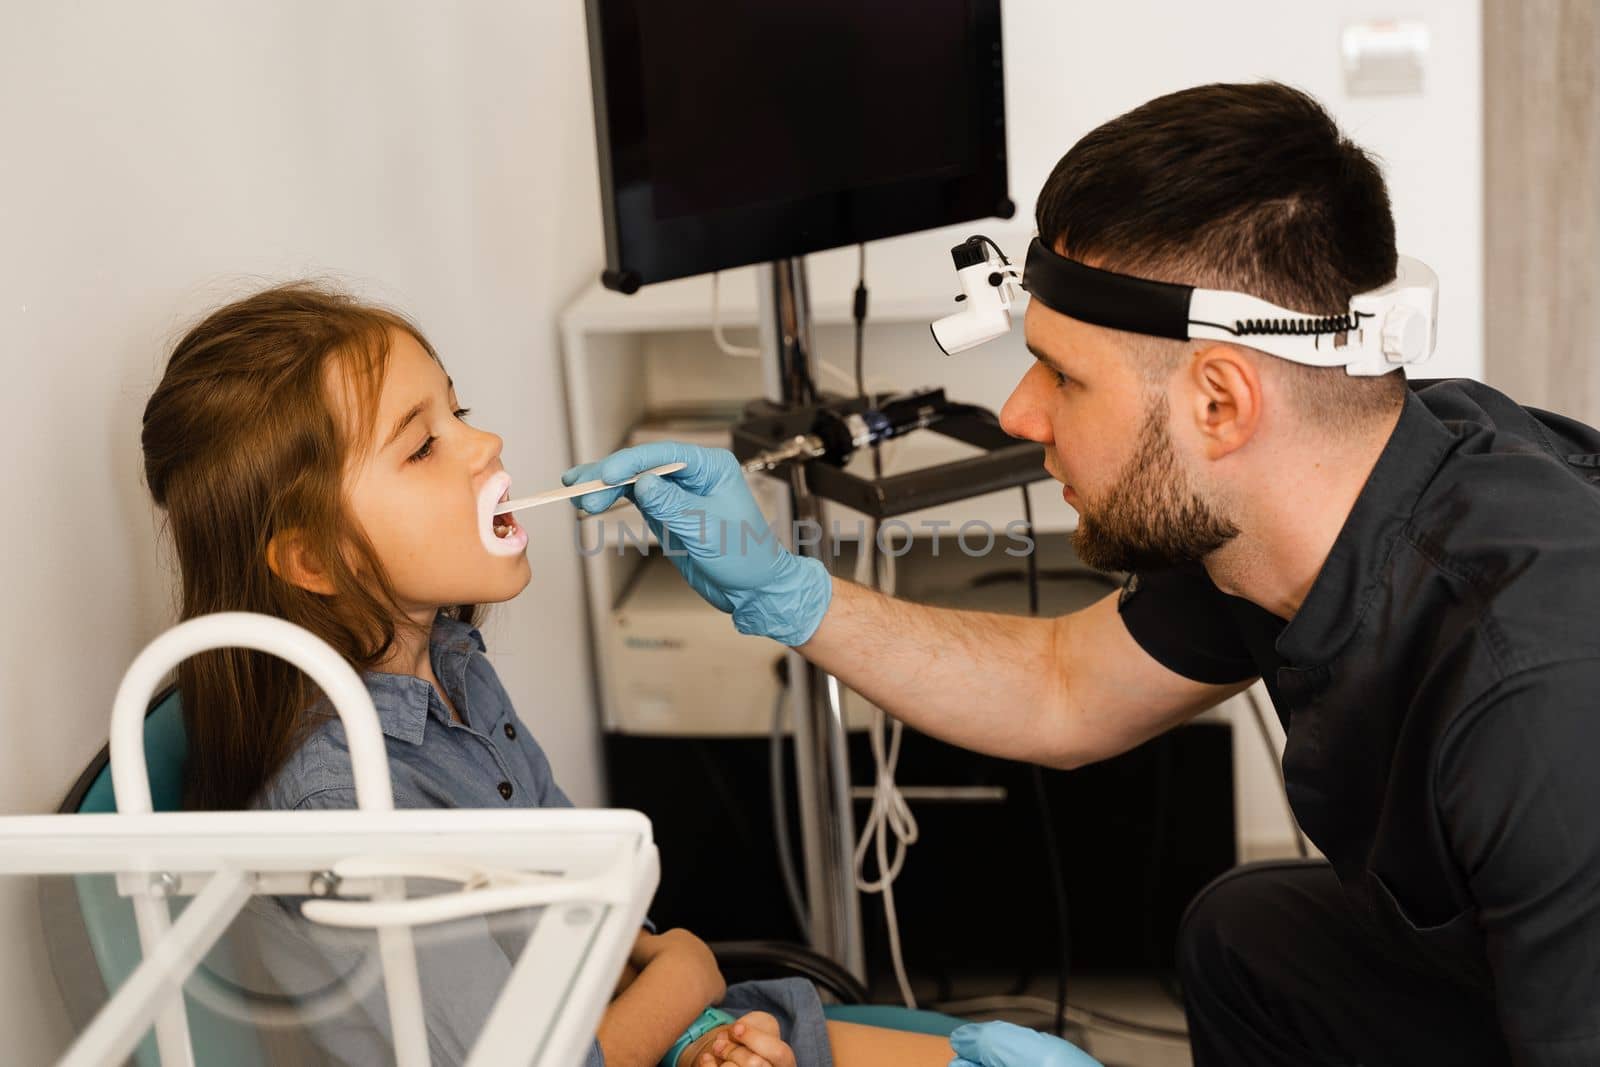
x: 1071, y: 66
x: 160, y: 158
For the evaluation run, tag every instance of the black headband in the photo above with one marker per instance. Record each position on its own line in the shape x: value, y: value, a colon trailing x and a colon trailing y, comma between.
x: 1106, y: 298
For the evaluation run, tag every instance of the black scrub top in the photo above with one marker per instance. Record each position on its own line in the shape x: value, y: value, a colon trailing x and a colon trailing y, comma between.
x: 1440, y: 690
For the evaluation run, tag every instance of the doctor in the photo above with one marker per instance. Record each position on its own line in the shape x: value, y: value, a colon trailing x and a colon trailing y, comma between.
x: 1414, y: 572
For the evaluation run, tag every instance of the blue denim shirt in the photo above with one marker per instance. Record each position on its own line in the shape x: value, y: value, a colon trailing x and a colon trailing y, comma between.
x: 488, y: 760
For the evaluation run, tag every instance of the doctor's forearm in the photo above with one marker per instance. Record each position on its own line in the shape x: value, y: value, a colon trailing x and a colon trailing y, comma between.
x: 987, y: 682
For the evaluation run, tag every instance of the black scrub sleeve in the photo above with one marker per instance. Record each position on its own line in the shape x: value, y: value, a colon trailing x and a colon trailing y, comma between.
x: 1184, y: 622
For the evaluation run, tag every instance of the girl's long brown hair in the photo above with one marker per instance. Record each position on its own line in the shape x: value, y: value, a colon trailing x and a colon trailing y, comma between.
x: 241, y: 443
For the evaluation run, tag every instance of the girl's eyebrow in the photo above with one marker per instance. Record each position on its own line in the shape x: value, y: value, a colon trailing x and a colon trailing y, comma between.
x: 405, y: 420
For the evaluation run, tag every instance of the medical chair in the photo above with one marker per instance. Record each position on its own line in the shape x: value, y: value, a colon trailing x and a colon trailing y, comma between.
x: 86, y: 920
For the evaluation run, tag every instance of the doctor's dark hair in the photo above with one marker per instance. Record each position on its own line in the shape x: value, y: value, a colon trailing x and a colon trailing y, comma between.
x: 1246, y: 187
x: 243, y: 443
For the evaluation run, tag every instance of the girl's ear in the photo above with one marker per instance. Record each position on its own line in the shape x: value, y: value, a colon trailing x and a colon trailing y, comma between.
x: 291, y: 558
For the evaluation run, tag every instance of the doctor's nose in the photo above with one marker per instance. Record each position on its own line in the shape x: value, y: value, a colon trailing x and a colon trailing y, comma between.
x: 1024, y: 414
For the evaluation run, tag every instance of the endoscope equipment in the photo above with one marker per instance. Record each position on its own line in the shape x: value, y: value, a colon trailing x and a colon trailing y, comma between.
x: 836, y: 434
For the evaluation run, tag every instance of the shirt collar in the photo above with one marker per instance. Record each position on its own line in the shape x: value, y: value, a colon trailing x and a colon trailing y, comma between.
x: 1354, y: 569
x: 403, y: 700
x: 402, y: 704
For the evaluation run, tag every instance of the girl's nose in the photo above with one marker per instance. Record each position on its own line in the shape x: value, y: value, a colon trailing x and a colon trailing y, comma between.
x: 489, y: 445
x: 1025, y: 413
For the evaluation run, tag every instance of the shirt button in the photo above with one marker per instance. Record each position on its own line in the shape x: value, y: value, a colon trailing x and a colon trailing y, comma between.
x: 511, y: 732
x: 505, y: 790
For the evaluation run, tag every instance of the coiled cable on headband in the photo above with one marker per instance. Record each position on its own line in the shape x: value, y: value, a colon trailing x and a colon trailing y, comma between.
x: 1300, y: 327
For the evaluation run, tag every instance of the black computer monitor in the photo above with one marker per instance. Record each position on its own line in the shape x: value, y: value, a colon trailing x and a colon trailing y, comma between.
x: 743, y: 131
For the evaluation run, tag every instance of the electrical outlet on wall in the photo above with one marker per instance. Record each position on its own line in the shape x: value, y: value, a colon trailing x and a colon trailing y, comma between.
x: 1385, y: 57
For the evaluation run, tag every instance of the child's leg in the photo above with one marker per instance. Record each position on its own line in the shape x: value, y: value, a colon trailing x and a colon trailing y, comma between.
x: 855, y: 1045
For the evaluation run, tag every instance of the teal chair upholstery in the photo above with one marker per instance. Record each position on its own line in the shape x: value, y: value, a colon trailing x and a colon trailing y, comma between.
x: 164, y: 751
x: 108, y: 928
x: 763, y: 959
x: 107, y: 923
x: 894, y: 1017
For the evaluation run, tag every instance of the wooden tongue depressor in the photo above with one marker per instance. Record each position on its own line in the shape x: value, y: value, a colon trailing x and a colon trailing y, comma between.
x: 569, y: 491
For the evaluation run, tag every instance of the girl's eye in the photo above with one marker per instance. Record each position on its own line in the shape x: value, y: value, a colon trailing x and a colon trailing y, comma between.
x: 424, y: 452
x: 427, y: 446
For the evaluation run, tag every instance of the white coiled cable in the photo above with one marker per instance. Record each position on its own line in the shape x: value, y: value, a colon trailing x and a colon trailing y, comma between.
x: 889, y: 815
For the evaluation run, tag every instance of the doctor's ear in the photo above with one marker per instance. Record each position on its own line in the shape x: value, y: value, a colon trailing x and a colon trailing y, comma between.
x: 291, y: 558
x: 1226, y: 398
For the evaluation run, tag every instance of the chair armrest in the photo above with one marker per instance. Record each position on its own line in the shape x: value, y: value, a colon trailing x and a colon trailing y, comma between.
x: 768, y: 959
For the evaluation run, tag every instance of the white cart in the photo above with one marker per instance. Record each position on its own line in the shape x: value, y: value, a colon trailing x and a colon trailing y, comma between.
x: 574, y: 885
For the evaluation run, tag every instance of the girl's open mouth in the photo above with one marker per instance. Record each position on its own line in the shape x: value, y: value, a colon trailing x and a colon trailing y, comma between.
x: 499, y: 531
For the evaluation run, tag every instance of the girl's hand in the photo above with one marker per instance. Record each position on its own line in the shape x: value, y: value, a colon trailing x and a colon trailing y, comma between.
x: 753, y: 1041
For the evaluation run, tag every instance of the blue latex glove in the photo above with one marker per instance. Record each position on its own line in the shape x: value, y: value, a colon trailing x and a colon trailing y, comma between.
x: 714, y: 533
x: 1010, y: 1045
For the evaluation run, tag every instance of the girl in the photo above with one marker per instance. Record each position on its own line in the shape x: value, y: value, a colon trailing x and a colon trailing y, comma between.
x: 315, y: 464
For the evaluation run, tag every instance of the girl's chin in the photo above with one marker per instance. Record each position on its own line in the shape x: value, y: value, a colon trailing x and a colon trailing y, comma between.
x: 521, y: 578
x: 525, y: 575
x: 516, y: 576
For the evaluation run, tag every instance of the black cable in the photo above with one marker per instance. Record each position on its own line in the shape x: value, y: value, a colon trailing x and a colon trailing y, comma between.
x: 997, y: 249
x: 1052, y: 851
x: 858, y: 312
x: 1306, y: 327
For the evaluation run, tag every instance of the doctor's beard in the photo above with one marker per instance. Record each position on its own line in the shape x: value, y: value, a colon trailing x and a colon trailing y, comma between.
x: 1151, y: 518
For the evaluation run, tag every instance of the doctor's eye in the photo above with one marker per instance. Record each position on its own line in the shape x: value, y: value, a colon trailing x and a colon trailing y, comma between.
x: 1061, y: 379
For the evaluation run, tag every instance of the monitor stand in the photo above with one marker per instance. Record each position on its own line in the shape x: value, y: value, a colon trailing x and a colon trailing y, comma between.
x: 822, y: 770
x: 827, y: 819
